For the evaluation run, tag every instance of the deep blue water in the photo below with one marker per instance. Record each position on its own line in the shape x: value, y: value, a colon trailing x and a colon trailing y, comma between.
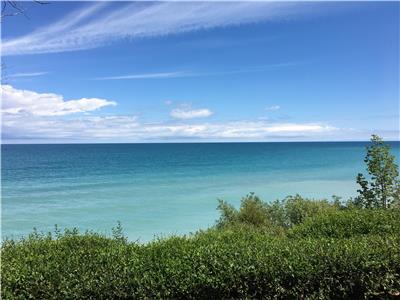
x: 163, y: 189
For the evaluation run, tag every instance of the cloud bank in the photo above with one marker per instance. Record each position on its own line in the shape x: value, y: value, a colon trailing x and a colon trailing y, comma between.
x: 128, y: 128
x: 30, y: 116
x: 101, y: 23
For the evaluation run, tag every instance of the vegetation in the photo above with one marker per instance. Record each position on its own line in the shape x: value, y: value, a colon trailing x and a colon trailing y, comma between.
x: 348, y: 223
x: 295, y: 248
x: 331, y: 255
x: 383, y: 190
x: 283, y: 214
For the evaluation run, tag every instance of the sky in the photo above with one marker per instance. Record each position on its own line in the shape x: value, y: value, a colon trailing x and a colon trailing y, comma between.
x: 99, y: 72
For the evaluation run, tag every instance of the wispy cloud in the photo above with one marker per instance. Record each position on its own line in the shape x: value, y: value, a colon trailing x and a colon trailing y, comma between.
x: 101, y: 23
x: 180, y: 74
x: 144, y: 76
x: 33, y: 74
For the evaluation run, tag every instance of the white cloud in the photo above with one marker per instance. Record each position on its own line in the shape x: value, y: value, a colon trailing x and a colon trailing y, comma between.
x: 96, y: 25
x: 128, y: 128
x: 15, y: 101
x: 273, y: 107
x: 186, y: 112
x: 30, y: 117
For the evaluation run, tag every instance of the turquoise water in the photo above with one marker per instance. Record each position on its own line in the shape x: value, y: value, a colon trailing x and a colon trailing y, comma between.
x: 162, y: 189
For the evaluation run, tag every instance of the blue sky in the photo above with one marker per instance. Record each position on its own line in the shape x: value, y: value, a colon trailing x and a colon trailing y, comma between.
x: 201, y: 71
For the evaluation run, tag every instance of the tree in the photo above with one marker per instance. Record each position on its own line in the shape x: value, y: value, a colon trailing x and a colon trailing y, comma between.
x: 13, y: 8
x: 382, y: 191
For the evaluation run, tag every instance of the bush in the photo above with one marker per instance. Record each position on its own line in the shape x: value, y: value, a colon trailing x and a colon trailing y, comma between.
x: 347, y: 223
x: 252, y: 212
x: 283, y: 214
x: 215, y: 264
x: 297, y: 209
x: 290, y: 249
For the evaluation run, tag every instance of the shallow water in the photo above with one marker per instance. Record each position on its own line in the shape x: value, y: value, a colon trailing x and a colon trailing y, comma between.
x: 161, y: 189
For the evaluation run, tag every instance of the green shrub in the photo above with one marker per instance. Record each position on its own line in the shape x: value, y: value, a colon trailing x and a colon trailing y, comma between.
x: 252, y: 212
x: 347, y: 223
x: 290, y: 249
x: 231, y: 263
x: 297, y: 209
x: 291, y: 211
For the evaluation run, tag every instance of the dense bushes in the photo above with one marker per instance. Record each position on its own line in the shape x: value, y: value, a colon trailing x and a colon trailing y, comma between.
x: 334, y: 254
x: 347, y: 223
x: 284, y: 214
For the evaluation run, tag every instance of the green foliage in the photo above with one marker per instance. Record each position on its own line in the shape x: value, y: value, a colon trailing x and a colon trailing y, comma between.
x: 298, y: 209
x: 118, y: 234
x: 215, y: 264
x: 349, y: 223
x: 383, y: 189
x: 252, y: 212
x: 278, y: 214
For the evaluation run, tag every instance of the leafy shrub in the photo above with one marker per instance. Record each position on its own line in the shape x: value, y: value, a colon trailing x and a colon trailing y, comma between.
x: 252, y: 212
x: 285, y: 214
x: 290, y: 249
x: 347, y: 223
x: 297, y: 209
x: 230, y: 263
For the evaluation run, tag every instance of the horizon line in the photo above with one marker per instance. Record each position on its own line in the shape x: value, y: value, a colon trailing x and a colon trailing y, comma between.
x: 200, y: 142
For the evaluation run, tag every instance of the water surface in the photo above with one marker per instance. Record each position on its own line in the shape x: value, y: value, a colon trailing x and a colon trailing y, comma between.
x: 163, y: 189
